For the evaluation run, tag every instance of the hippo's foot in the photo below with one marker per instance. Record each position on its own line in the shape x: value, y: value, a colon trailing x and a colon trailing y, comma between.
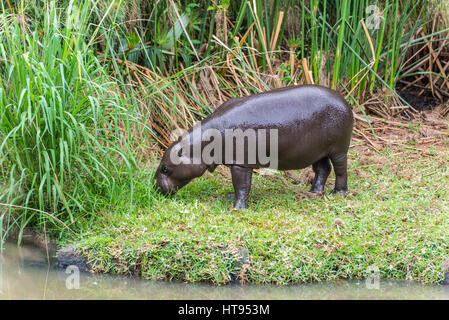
x: 343, y: 193
x: 316, y: 190
x: 241, y: 180
x: 240, y: 204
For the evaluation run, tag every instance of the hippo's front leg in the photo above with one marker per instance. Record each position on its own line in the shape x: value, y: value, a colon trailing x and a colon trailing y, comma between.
x: 241, y: 180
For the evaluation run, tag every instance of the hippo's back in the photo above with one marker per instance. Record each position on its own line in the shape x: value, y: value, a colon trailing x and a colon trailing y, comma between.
x: 311, y: 121
x: 281, y: 108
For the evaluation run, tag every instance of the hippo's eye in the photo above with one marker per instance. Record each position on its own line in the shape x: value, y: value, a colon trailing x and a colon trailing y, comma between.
x: 164, y: 169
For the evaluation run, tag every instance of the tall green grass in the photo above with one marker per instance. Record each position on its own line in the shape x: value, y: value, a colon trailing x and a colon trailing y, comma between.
x: 364, y: 58
x: 178, y: 41
x: 362, y: 44
x: 64, y: 124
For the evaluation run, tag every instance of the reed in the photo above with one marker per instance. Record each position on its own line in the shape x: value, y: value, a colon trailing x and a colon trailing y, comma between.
x: 64, y: 126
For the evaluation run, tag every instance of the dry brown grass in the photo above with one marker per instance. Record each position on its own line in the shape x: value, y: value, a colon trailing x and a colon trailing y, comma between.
x: 170, y: 102
x: 423, y: 129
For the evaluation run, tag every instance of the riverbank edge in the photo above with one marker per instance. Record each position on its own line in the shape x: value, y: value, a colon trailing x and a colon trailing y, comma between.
x: 71, y: 255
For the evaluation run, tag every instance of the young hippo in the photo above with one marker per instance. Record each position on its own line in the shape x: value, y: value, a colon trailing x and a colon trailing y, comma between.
x: 286, y: 129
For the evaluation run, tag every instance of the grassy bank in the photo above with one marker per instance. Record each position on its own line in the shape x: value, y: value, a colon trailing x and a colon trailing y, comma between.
x: 395, y: 218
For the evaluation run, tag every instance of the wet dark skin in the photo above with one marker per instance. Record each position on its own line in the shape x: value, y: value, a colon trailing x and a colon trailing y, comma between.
x: 314, y: 126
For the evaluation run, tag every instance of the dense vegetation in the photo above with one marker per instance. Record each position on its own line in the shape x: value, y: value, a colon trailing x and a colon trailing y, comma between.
x: 90, y: 91
x: 395, y: 220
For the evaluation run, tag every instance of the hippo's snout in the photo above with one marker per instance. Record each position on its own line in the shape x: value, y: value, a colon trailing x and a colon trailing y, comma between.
x: 167, y: 185
x: 164, y: 185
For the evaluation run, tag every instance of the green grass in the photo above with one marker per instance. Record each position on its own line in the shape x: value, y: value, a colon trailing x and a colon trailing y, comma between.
x: 395, y: 217
x: 64, y: 125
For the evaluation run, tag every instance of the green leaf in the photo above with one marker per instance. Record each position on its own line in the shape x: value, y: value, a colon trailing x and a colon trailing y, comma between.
x: 168, y: 41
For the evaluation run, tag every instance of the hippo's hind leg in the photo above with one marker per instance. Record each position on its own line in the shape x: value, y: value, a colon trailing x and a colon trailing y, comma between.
x: 340, y: 164
x: 241, y: 180
x: 322, y: 169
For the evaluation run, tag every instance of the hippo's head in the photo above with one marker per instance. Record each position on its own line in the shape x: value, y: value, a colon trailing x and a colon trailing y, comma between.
x: 176, y: 170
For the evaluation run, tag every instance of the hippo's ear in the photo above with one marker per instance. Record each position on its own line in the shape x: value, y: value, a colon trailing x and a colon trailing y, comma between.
x: 211, y: 167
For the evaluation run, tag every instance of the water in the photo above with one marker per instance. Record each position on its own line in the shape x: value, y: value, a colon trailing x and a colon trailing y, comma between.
x: 25, y: 274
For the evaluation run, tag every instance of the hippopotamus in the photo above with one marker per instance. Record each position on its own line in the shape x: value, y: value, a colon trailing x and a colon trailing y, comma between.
x: 305, y: 125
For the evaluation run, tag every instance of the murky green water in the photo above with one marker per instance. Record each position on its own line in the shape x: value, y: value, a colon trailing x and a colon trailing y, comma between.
x: 24, y: 274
